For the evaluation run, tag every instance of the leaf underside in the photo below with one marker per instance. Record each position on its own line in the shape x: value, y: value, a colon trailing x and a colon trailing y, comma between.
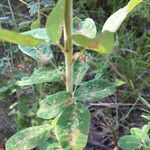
x: 113, y: 23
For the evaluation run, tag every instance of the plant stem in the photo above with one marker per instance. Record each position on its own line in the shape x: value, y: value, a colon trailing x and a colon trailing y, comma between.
x: 68, y: 44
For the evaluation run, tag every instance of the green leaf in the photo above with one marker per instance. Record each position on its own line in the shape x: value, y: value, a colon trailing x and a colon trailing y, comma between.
x: 39, y: 76
x: 113, y: 23
x: 86, y: 27
x: 18, y: 38
x: 53, y: 105
x: 103, y: 43
x: 146, y: 148
x: 141, y: 133
x: 55, y: 22
x: 41, y: 53
x: 80, y: 70
x: 35, y: 24
x: 129, y: 142
x: 146, y: 128
x: 73, y: 126
x: 39, y: 33
x: 51, y: 144
x: 119, y: 82
x: 29, y: 138
x: 95, y: 90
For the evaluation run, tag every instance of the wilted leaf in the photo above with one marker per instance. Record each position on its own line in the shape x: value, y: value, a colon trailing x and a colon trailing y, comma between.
x: 129, y: 142
x: 55, y: 22
x: 18, y: 38
x: 40, y: 76
x: 95, y: 90
x: 29, y: 138
x: 53, y: 105
x: 103, y: 43
x: 73, y: 126
x: 113, y: 23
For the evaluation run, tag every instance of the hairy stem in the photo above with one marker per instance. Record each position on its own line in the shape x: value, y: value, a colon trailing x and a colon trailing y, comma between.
x: 68, y: 44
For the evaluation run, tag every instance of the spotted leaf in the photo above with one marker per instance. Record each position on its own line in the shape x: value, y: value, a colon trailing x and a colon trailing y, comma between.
x: 73, y: 126
x: 29, y: 138
x: 39, y: 76
x: 95, y: 90
x: 54, y: 104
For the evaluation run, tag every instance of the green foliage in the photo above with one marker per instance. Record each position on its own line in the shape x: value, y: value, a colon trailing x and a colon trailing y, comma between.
x: 129, y: 142
x: 18, y: 38
x: 98, y: 44
x: 29, y: 138
x: 51, y: 144
x: 55, y: 22
x: 40, y: 76
x: 42, y: 52
x: 119, y: 82
x: 139, y: 138
x: 95, y: 90
x: 72, y: 119
x: 73, y: 126
x: 53, y: 105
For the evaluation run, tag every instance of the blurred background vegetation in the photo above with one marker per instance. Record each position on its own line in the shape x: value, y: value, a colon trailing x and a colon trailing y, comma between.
x: 129, y: 62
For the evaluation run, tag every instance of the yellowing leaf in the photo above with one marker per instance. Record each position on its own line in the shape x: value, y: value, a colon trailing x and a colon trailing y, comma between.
x: 113, y: 23
x: 55, y: 22
x: 132, y: 4
x: 99, y: 44
x: 17, y: 38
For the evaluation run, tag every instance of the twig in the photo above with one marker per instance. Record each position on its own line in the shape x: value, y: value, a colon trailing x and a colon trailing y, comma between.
x: 112, y: 105
x: 12, y: 14
x: 135, y: 104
